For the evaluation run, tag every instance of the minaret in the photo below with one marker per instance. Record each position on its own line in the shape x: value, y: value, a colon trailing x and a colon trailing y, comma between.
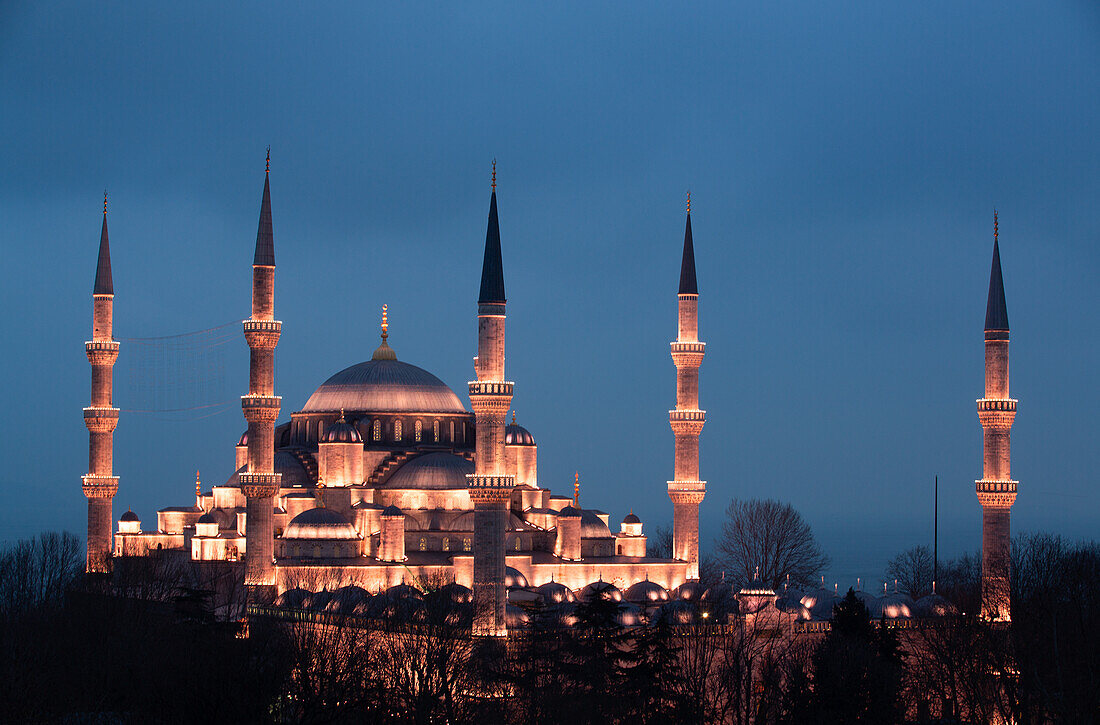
x: 261, y: 406
x: 996, y: 411
x: 687, y: 491
x: 491, y: 398
x: 101, y: 417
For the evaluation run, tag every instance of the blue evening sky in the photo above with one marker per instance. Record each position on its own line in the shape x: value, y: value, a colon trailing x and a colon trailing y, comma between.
x: 844, y: 161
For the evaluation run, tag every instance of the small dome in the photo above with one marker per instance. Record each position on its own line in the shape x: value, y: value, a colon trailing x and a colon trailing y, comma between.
x: 296, y: 598
x: 569, y: 513
x: 207, y: 518
x: 345, y: 600
x: 792, y: 606
x: 129, y: 516
x: 287, y: 465
x: 392, y: 510
x: 244, y: 439
x: 646, y: 592
x: 630, y: 518
x: 514, y: 578
x: 517, y: 435
x: 628, y: 614
x: 432, y: 472
x: 601, y: 589
x: 455, y: 593
x: 515, y: 617
x: 676, y: 612
x: 404, y: 591
x: 933, y: 605
x: 891, y: 606
x: 690, y: 591
x: 342, y: 432
x: 319, y: 523
x: 555, y: 593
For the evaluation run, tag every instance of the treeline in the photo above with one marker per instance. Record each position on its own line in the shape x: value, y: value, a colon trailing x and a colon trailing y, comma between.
x: 156, y: 645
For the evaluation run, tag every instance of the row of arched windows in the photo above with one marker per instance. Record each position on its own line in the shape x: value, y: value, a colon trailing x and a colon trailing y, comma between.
x: 380, y: 430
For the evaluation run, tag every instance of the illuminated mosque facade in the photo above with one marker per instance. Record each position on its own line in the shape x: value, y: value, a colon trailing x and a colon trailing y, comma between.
x: 384, y: 479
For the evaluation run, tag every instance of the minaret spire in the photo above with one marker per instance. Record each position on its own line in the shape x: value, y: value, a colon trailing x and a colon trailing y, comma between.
x: 492, y: 268
x: 104, y: 285
x: 996, y: 311
x: 688, y: 285
x: 265, y: 234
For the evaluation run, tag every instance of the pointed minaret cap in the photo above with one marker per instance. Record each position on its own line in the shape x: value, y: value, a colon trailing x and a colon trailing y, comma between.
x: 103, y: 282
x: 687, y: 264
x: 492, y: 268
x: 996, y: 311
x: 265, y: 235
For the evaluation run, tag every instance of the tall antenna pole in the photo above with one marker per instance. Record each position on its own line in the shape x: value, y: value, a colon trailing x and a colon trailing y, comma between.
x: 936, y: 533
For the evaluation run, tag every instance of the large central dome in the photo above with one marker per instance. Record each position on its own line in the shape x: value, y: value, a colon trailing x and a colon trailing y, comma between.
x: 384, y: 386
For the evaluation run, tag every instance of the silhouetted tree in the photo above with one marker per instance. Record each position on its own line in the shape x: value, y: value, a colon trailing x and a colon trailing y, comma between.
x: 912, y: 570
x: 771, y: 537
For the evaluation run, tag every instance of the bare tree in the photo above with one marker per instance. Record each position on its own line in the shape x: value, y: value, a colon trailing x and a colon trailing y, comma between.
x: 912, y: 569
x: 773, y: 537
x: 659, y: 545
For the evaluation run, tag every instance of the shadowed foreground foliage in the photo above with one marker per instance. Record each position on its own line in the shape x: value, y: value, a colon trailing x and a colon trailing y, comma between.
x: 156, y: 645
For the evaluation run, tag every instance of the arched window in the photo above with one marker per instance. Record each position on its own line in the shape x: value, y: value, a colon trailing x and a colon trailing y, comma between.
x: 320, y: 429
x: 452, y: 438
x: 435, y: 431
x: 423, y: 544
x: 517, y: 543
x: 465, y: 544
x: 620, y: 549
x: 316, y: 551
x: 446, y: 544
x: 418, y: 431
x: 397, y: 429
x: 376, y: 434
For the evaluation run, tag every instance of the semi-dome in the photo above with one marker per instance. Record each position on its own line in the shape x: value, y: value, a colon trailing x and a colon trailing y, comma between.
x: 342, y: 432
x: 384, y: 386
x: 592, y: 526
x: 432, y: 472
x: 517, y: 435
x: 319, y: 523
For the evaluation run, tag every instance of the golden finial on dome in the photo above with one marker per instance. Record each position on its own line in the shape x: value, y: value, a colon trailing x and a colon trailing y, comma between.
x: 576, y: 487
x: 385, y: 323
x: 689, y: 201
x: 198, y: 484
x: 342, y: 416
x: 104, y: 202
x: 513, y: 417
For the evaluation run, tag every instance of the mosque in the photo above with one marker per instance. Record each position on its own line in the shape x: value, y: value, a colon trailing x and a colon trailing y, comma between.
x: 384, y: 477
x: 384, y: 480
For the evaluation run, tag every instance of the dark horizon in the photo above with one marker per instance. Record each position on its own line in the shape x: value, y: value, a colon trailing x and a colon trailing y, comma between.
x: 843, y: 169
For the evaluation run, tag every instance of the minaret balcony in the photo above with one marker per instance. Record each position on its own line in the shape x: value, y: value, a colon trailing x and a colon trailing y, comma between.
x: 258, y: 485
x: 260, y: 408
x: 687, y: 491
x: 688, y: 354
x: 491, y: 388
x: 99, y: 486
x: 693, y: 347
x: 101, y: 420
x: 101, y: 352
x: 996, y: 493
x: 263, y: 334
x: 996, y: 412
x: 489, y: 489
